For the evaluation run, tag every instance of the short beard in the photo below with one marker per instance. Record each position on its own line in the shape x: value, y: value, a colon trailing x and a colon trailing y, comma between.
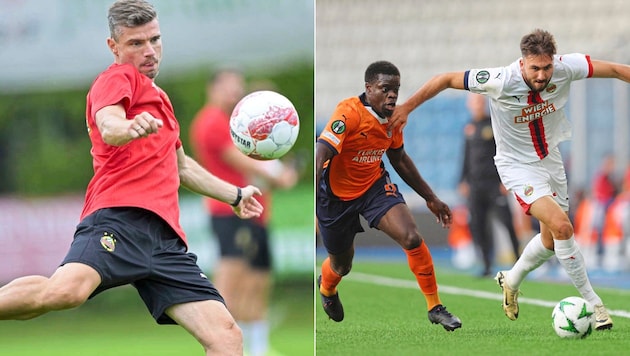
x: 153, y: 75
x: 528, y: 82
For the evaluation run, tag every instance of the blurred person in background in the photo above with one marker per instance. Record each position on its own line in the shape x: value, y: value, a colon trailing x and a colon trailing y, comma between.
x: 243, y: 274
x: 604, y: 189
x: 616, y: 229
x: 481, y: 185
x: 351, y: 181
x: 527, y: 99
x: 129, y: 231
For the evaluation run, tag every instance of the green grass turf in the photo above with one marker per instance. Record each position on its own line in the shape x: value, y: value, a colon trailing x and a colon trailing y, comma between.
x: 392, y: 320
x: 117, y: 323
x: 294, y: 208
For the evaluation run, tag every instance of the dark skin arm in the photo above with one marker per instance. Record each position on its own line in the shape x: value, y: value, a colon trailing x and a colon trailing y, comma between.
x: 323, y: 153
x: 406, y: 169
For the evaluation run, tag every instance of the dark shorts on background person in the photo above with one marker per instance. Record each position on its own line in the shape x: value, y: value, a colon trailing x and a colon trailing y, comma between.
x: 339, y: 221
x: 135, y: 246
x: 241, y: 238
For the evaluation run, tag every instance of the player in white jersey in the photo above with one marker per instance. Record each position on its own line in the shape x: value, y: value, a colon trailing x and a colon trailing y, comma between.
x: 516, y: 109
x: 527, y: 99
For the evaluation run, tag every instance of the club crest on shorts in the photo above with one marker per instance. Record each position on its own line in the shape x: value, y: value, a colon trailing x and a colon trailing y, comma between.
x: 529, y: 190
x: 108, y: 242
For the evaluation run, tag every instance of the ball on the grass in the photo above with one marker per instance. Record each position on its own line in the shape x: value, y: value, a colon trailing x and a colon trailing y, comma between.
x: 573, y: 317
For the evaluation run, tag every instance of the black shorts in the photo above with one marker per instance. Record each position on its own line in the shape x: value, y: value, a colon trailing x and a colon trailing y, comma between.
x: 242, y: 238
x: 135, y: 246
x: 338, y: 220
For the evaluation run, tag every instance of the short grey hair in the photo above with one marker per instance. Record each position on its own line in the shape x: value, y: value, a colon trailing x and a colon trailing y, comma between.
x: 129, y: 13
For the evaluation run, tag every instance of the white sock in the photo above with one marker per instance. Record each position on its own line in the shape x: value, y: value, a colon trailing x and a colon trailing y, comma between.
x: 571, y: 259
x: 256, y: 337
x: 533, y: 256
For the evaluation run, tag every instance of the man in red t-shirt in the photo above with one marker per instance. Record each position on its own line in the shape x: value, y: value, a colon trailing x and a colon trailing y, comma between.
x: 129, y: 231
x: 243, y: 274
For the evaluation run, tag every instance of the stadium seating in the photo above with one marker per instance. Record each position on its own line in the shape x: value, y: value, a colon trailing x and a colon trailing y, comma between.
x: 426, y: 37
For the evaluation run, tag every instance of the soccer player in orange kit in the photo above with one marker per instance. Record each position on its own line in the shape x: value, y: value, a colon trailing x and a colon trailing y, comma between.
x: 352, y: 180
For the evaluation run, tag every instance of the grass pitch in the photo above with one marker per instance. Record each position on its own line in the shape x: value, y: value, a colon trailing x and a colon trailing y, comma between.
x: 117, y: 323
x: 385, y: 314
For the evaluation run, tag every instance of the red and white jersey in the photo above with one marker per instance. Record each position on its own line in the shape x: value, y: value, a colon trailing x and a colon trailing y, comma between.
x: 527, y: 125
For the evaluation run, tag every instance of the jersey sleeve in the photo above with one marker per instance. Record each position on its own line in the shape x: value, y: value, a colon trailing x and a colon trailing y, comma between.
x: 487, y: 81
x: 577, y: 65
x: 397, y: 139
x: 336, y: 130
x: 111, y: 88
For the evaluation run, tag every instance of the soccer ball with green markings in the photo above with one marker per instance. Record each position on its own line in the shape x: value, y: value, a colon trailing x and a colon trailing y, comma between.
x: 573, y: 317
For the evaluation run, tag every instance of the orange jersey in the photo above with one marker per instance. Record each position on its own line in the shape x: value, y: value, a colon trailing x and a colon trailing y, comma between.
x: 359, y: 138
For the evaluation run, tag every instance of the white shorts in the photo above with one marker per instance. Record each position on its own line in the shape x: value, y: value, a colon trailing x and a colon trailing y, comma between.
x: 532, y: 181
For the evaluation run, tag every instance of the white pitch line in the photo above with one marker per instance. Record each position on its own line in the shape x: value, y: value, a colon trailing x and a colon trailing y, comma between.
x: 401, y: 283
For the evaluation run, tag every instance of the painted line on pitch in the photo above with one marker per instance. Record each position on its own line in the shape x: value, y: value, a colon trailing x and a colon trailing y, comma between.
x: 401, y: 283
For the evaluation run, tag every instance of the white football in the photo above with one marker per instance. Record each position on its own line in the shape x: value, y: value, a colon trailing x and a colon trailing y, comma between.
x: 573, y: 317
x: 264, y: 125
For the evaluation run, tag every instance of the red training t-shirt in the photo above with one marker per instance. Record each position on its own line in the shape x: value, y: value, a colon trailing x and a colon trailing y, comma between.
x: 144, y: 172
x: 210, y: 138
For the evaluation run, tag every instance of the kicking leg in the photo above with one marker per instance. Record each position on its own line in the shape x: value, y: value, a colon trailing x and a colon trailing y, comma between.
x: 28, y: 297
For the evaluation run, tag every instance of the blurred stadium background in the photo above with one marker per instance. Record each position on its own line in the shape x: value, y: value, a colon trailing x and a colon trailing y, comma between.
x: 424, y: 38
x: 50, y: 51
